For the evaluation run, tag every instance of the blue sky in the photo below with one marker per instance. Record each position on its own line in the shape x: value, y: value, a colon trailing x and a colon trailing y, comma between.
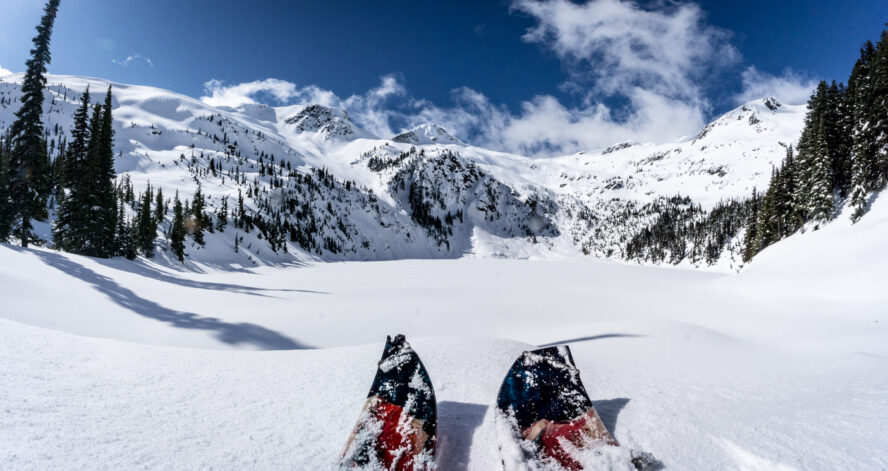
x: 490, y: 69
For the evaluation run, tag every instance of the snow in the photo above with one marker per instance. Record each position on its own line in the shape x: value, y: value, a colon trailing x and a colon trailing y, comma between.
x: 262, y: 360
x: 154, y: 366
x: 168, y: 140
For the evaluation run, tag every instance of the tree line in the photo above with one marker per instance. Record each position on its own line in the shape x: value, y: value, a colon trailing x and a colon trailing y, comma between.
x: 840, y: 161
x: 841, y: 158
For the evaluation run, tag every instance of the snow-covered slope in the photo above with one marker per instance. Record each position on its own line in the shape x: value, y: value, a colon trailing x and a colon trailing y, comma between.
x: 587, y: 203
x: 756, y: 371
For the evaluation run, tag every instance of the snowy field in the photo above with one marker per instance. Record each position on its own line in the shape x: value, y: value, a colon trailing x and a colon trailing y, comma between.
x: 125, y: 365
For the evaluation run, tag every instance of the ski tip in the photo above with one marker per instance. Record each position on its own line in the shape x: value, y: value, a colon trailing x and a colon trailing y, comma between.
x: 557, y: 353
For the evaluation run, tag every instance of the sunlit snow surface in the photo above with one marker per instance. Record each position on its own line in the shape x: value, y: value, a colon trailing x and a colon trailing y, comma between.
x: 121, y: 365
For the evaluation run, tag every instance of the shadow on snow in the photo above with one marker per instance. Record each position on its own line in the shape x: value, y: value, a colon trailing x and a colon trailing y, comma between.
x: 457, y: 422
x: 589, y: 339
x: 229, y: 333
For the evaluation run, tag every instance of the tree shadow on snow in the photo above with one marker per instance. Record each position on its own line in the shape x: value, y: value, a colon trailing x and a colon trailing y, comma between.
x: 232, y: 334
x: 139, y: 267
x: 589, y: 339
x: 457, y: 422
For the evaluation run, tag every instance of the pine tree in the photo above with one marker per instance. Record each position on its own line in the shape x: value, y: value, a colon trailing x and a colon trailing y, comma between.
x: 880, y: 110
x: 751, y: 238
x: 177, y: 232
x: 5, y: 207
x: 102, y: 174
x: 863, y: 172
x: 222, y: 215
x: 29, y: 177
x: 69, y: 232
x: 198, y: 218
x: 159, y: 207
x: 766, y: 220
x: 146, y: 229
x: 821, y: 201
x: 125, y: 243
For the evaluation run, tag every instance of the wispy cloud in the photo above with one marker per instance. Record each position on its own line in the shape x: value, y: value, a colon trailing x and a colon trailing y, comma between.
x: 791, y: 87
x: 642, y: 73
x: 4, y: 71
x: 133, y: 58
x: 370, y: 110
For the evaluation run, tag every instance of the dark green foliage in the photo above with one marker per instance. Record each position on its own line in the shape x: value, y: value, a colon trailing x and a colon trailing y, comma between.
x: 87, y: 220
x: 126, y: 245
x: 177, y: 231
x: 101, y: 175
x: 145, y: 227
x: 159, y: 207
x: 29, y: 181
x: 683, y: 231
x: 198, y: 217
x: 6, y: 214
x: 69, y: 232
x: 222, y: 215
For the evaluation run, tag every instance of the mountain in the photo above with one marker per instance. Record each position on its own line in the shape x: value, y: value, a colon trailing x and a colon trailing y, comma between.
x: 316, y: 185
x: 329, y: 123
x: 426, y: 134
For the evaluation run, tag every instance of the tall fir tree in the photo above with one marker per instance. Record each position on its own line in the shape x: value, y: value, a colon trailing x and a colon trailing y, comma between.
x: 104, y: 215
x: 69, y: 231
x: 751, y: 237
x: 5, y: 206
x: 177, y: 231
x: 146, y: 229
x: 159, y: 207
x: 821, y: 200
x: 29, y: 168
x: 880, y: 110
x: 198, y: 217
x: 863, y: 156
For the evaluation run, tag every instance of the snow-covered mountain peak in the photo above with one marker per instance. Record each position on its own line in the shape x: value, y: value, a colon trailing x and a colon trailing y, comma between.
x: 426, y: 134
x: 757, y: 117
x: 330, y: 123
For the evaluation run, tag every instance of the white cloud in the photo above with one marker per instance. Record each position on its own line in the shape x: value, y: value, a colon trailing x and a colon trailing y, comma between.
x: 618, y: 46
x: 135, y: 57
x: 369, y: 110
x: 4, y: 71
x: 790, y: 88
x: 642, y: 74
x: 233, y: 95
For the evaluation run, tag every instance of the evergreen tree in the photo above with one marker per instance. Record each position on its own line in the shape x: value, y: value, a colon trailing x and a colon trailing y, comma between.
x: 222, y: 215
x: 863, y: 156
x: 159, y: 207
x: 102, y: 175
x: 69, y: 231
x: 177, y: 232
x: 880, y: 109
x: 751, y: 237
x: 821, y: 202
x: 125, y: 243
x: 5, y: 206
x: 198, y: 217
x: 29, y: 178
x: 146, y: 229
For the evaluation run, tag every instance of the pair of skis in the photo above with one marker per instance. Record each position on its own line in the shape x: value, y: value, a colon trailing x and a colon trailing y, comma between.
x: 544, y: 418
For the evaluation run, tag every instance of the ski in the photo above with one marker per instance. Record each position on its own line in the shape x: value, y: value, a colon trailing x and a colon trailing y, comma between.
x: 545, y: 419
x: 396, y: 429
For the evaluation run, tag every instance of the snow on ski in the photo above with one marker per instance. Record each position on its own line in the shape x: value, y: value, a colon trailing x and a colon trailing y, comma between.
x: 396, y: 429
x: 546, y: 421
